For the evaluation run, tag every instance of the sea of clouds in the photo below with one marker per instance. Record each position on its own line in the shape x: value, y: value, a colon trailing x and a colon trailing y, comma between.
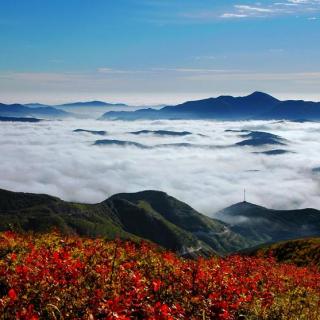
x: 48, y: 157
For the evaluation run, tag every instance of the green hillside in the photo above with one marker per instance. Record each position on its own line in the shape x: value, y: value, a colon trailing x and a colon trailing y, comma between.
x: 213, y: 232
x: 160, y: 218
x: 40, y: 213
x: 149, y: 215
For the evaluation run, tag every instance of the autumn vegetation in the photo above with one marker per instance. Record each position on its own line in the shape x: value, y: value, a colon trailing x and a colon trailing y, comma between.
x: 49, y: 276
x: 302, y: 252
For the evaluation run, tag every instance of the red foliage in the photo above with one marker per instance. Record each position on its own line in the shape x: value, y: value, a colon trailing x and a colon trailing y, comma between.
x: 12, y: 295
x: 51, y: 277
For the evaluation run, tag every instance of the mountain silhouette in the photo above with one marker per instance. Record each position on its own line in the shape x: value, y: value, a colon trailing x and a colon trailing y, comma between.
x: 257, y: 105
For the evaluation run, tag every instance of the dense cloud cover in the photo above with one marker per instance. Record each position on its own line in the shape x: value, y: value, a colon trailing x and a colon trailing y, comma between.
x: 48, y: 157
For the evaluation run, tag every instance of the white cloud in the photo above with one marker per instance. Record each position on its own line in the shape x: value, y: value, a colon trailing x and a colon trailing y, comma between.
x: 199, y: 58
x: 245, y: 8
x: 205, y: 12
x: 258, y: 10
x: 50, y: 158
x: 111, y: 71
x: 233, y: 15
x: 195, y: 70
x: 301, y: 1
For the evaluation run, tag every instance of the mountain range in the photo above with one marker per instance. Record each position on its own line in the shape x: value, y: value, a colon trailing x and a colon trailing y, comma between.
x: 160, y: 218
x: 257, y: 105
x: 95, y: 104
x: 43, y: 111
x: 21, y: 111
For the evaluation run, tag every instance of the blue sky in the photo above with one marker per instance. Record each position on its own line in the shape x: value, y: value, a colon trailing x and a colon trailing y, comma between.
x: 157, y: 51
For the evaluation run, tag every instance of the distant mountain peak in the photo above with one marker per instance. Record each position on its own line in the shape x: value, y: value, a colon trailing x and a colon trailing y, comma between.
x: 94, y: 103
x: 224, y: 107
x: 239, y: 208
x: 154, y: 193
x: 261, y: 95
x: 245, y: 205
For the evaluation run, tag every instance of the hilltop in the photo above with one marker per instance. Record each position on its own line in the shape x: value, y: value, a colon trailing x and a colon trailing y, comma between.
x: 261, y: 224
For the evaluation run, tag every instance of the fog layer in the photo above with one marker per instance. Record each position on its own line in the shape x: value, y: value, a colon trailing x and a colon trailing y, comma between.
x: 48, y: 157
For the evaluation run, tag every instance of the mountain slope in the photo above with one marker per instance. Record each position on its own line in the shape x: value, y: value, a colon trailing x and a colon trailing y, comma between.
x: 261, y: 224
x: 213, y: 232
x: 294, y: 110
x: 228, y: 107
x: 160, y: 218
x: 27, y: 211
x: 142, y: 220
x: 151, y: 215
x: 253, y: 104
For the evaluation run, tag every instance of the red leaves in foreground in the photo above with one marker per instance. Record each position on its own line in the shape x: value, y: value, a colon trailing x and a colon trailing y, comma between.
x: 12, y: 295
x: 54, y: 277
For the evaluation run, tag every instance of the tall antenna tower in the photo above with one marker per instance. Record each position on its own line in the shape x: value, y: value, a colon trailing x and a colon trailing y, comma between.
x: 244, y: 195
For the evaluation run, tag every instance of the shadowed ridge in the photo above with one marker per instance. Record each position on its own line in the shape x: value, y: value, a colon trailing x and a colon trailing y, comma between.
x: 213, y: 232
x: 10, y: 200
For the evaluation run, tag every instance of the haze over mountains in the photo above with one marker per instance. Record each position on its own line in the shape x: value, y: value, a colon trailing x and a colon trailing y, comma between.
x: 77, y: 104
x: 63, y: 111
x: 18, y: 110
